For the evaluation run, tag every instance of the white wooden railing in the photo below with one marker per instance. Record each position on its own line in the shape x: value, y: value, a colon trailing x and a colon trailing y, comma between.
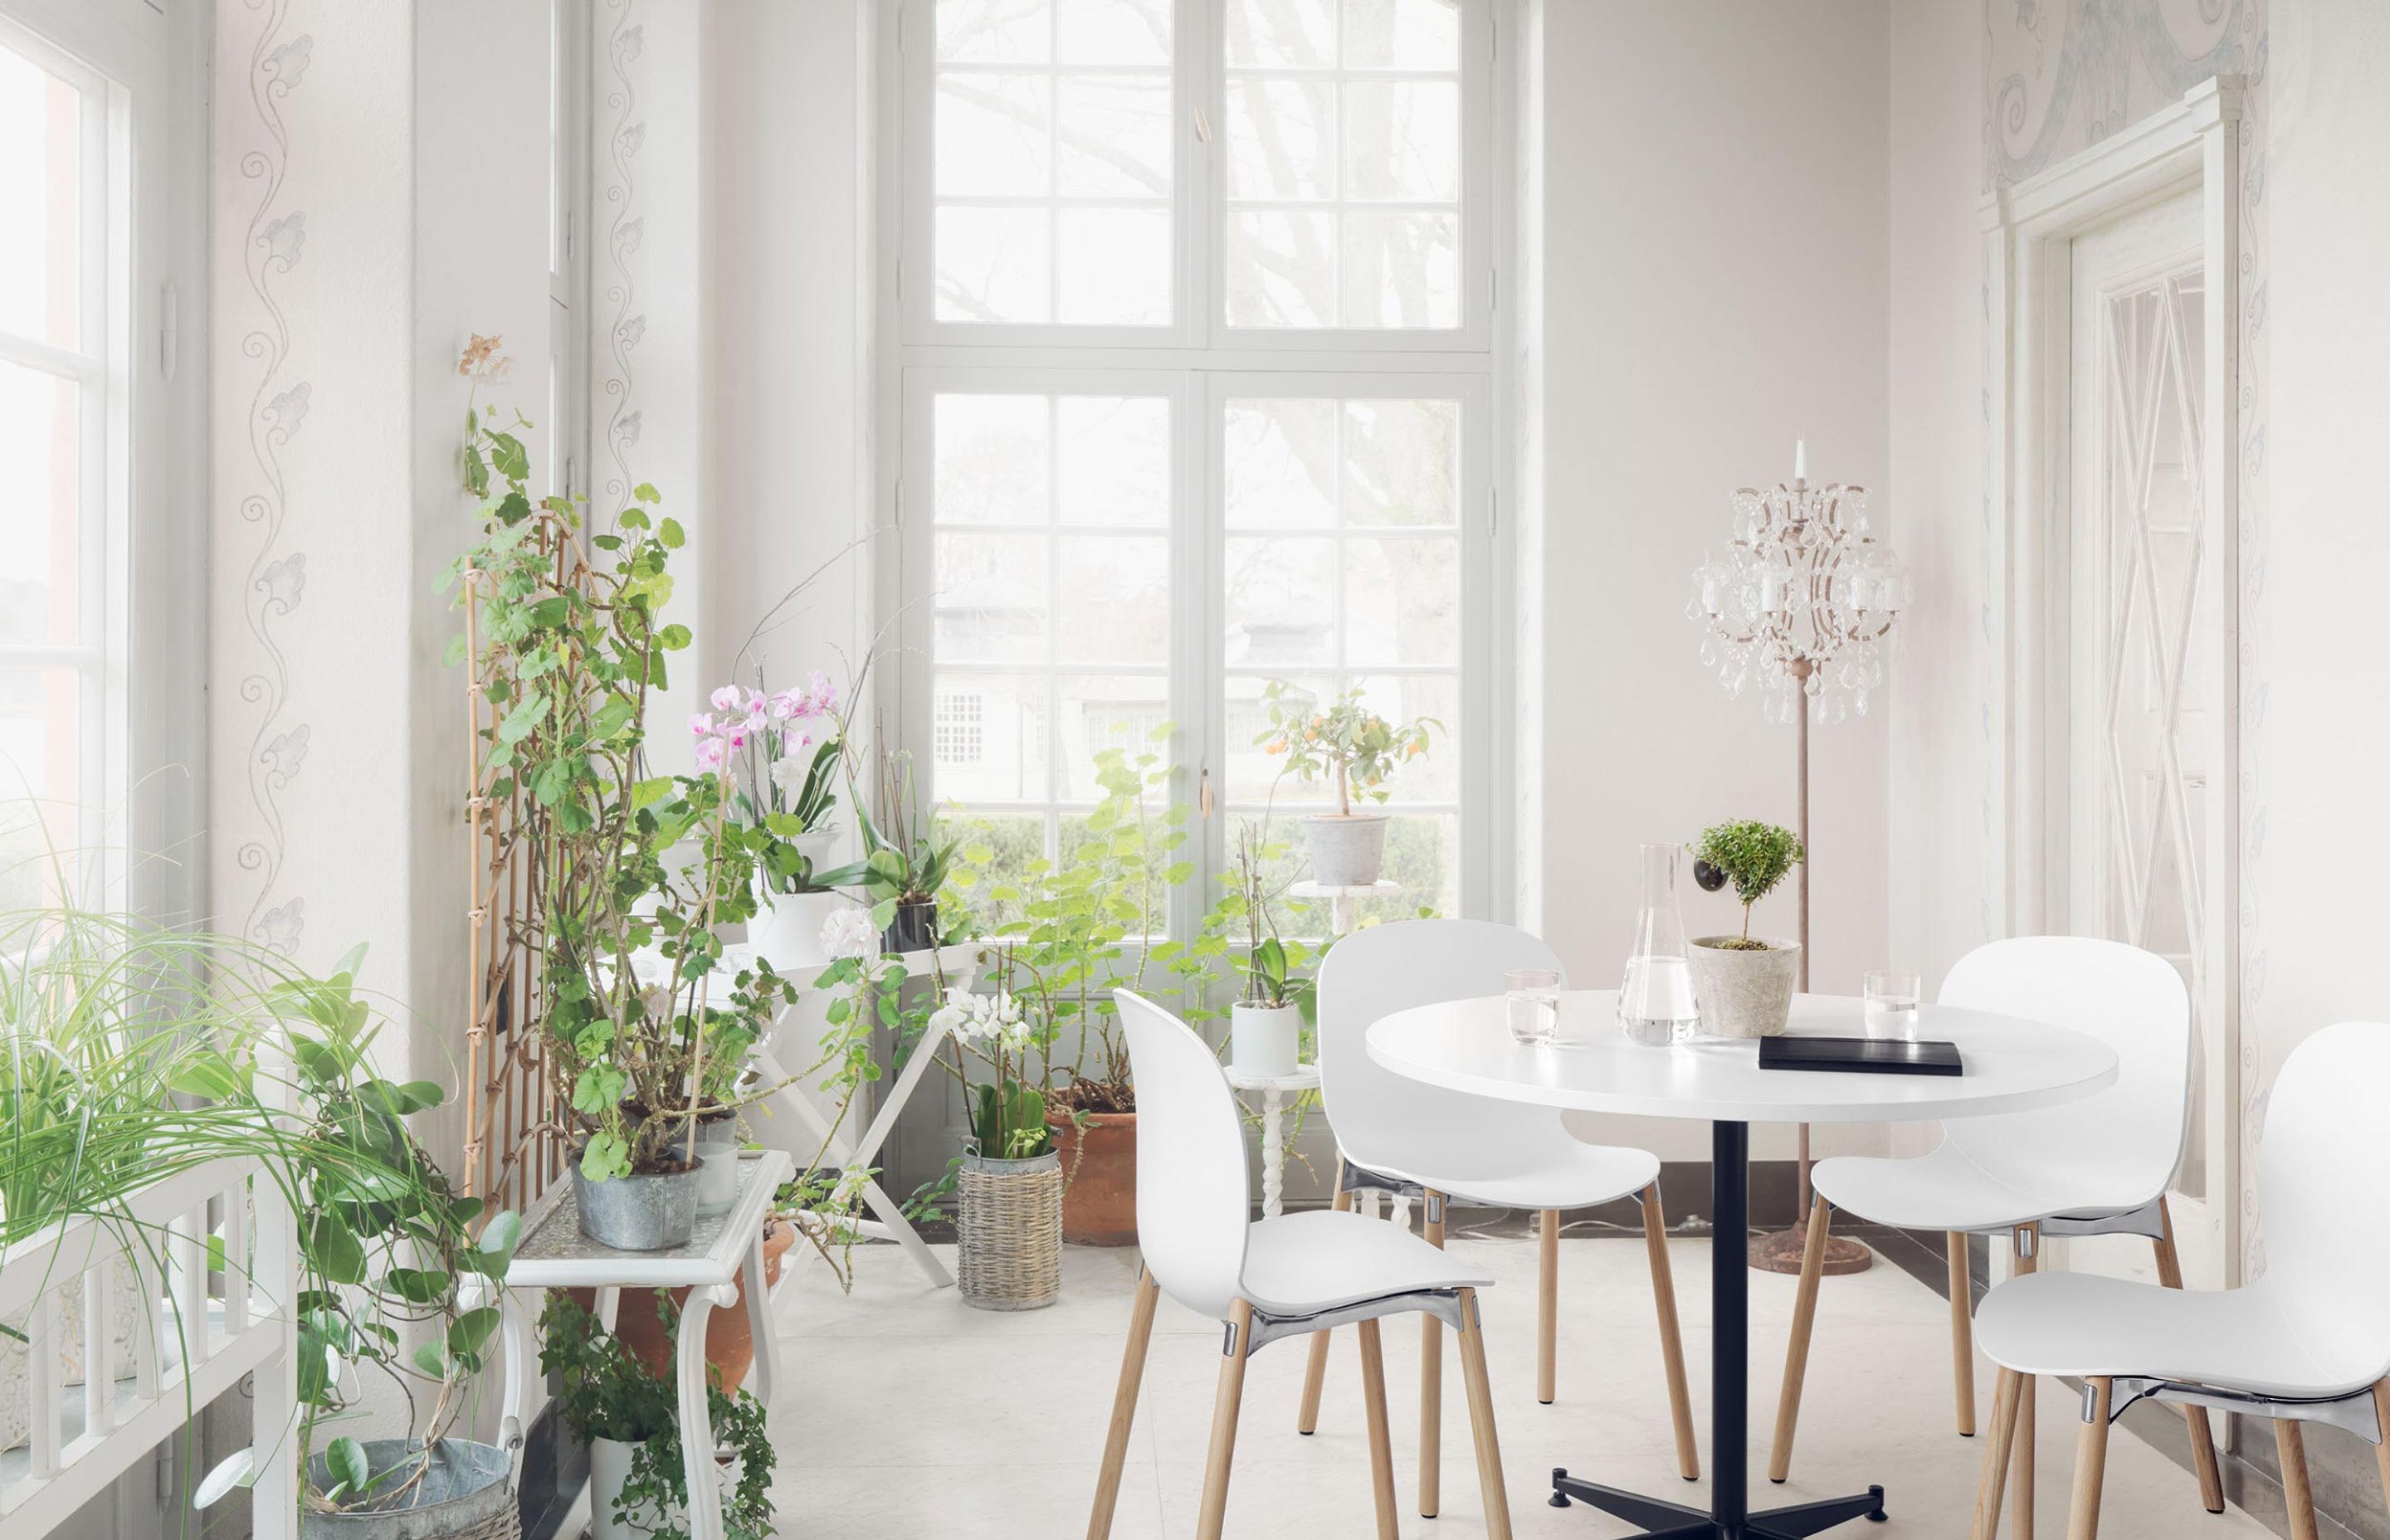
x: 189, y: 1344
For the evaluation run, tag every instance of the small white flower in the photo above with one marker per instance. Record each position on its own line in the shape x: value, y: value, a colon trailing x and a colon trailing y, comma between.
x: 955, y: 1015
x: 849, y: 933
x: 790, y: 770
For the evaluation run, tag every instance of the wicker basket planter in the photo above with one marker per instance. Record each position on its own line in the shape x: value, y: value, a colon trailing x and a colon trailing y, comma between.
x: 1008, y: 1230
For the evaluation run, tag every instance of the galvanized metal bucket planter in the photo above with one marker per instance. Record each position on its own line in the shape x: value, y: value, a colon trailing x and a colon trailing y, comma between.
x: 1009, y: 1233
x: 465, y: 1495
x: 638, y: 1214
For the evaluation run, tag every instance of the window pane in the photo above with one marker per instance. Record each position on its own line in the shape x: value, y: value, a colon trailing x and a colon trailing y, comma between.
x: 1100, y: 712
x: 1401, y: 35
x: 991, y: 597
x: 1281, y: 464
x: 1281, y: 269
x: 1434, y: 777
x: 1281, y: 35
x: 41, y: 788
x: 994, y: 31
x: 991, y: 458
x: 1281, y: 138
x: 1401, y: 270
x: 40, y: 447
x: 1281, y: 602
x: 41, y: 188
x: 1402, y: 141
x: 1402, y: 461
x: 1115, y: 460
x: 1114, y: 141
x: 1423, y: 854
x: 1074, y: 135
x: 1115, y: 600
x: 1115, y: 267
x: 987, y: 738
x: 1254, y: 777
x: 993, y: 265
x: 1010, y: 841
x: 1402, y: 600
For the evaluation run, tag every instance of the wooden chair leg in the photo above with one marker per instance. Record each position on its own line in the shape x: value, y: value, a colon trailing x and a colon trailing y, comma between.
x: 2203, y: 1438
x: 1430, y: 1475
x: 2382, y: 1450
x: 1382, y: 1442
x: 1672, y: 1340
x: 2090, y: 1463
x: 2291, y: 1445
x: 1796, y: 1351
x: 1996, y: 1455
x: 1132, y: 1374
x: 2020, y: 1444
x: 1496, y: 1496
x: 1547, y: 1299
x: 1315, y: 1375
x: 1962, y: 1334
x: 1224, y: 1404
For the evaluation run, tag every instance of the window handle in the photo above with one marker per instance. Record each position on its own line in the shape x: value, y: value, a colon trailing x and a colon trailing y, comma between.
x: 1203, y: 128
x: 1203, y: 793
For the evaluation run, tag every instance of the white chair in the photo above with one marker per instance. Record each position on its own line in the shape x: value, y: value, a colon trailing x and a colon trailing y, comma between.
x: 1268, y: 1278
x: 2307, y: 1342
x: 1396, y: 1133
x: 2095, y: 1167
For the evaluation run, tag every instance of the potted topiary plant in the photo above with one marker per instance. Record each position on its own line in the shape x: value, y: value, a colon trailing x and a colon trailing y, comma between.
x: 1743, y: 985
x: 1360, y: 751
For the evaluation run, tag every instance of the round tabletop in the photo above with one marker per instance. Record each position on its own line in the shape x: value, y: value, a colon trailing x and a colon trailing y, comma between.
x: 2012, y: 1064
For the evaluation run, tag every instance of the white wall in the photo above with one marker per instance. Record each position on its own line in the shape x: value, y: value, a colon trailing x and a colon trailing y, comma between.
x: 1713, y: 267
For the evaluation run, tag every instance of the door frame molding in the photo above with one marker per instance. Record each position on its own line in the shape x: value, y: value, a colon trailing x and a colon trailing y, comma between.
x: 2029, y: 229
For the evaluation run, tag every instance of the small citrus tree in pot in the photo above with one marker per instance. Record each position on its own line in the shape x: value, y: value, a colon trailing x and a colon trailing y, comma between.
x: 1358, y: 752
x: 1743, y: 984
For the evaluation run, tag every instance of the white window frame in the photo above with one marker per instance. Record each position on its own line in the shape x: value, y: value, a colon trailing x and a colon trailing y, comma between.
x: 142, y: 364
x: 1200, y: 363
x: 1199, y: 203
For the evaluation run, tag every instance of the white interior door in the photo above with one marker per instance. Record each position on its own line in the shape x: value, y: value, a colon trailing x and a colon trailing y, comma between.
x: 2148, y: 657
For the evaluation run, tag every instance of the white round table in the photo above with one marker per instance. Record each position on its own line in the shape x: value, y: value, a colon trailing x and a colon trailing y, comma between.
x: 2010, y: 1064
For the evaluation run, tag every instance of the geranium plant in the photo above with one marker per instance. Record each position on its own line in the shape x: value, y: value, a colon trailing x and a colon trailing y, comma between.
x: 1348, y: 743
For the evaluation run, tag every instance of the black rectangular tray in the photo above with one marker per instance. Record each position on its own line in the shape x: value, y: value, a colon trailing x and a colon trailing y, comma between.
x: 1876, y: 1056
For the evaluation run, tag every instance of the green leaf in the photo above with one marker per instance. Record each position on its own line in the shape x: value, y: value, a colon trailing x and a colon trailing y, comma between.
x: 332, y: 1248
x: 470, y: 1331
x: 417, y: 1285
x: 209, y: 1073
x: 670, y: 532
x: 346, y: 1461
x: 428, y: 1358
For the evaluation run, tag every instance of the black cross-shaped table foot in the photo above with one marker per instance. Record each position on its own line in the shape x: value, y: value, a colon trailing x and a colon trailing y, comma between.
x: 1661, y: 1521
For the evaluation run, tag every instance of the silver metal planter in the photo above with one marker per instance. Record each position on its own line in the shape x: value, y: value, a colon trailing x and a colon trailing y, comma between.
x: 464, y: 1495
x: 638, y: 1214
x: 1346, y: 850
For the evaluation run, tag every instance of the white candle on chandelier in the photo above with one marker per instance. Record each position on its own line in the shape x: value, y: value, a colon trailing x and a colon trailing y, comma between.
x: 1799, y: 460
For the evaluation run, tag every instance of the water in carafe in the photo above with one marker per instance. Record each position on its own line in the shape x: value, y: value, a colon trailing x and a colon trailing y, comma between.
x: 1655, y: 1000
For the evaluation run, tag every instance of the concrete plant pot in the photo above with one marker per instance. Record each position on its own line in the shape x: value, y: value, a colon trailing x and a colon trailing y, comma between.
x: 1265, y: 1040
x: 1346, y: 848
x: 1743, y: 994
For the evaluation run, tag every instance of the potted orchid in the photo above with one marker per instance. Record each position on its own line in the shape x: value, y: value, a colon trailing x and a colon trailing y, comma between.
x: 1357, y: 749
x: 1009, y: 1224
x: 788, y: 769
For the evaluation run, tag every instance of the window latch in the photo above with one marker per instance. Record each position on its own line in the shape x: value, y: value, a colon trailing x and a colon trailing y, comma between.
x: 1203, y: 793
x: 1203, y: 128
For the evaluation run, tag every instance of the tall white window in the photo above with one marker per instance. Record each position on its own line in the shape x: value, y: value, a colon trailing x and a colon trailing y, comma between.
x: 1195, y: 308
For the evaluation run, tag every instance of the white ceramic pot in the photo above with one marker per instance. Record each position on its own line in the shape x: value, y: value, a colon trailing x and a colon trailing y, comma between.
x: 717, y: 1178
x: 787, y: 930
x: 1265, y: 1040
x: 1743, y: 994
x: 609, y: 1469
x: 1346, y: 848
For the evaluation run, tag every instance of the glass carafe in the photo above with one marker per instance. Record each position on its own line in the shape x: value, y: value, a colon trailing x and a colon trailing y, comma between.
x: 1655, y: 1001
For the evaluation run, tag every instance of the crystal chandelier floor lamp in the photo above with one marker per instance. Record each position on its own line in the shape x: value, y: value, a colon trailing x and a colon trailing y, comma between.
x: 1798, y: 609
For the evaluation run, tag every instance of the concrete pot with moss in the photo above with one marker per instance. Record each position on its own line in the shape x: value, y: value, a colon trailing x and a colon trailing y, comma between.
x: 1743, y: 985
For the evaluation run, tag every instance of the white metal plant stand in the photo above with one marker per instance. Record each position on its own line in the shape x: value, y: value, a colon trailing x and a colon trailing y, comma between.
x: 726, y: 1247
x: 1341, y: 900
x: 1273, y: 1090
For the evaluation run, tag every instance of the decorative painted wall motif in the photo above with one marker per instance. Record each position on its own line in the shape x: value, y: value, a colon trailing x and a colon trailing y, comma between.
x: 622, y: 133
x: 2062, y: 75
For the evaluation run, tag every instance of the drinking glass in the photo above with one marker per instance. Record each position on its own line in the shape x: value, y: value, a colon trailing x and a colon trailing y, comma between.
x: 1891, y: 1005
x: 1535, y: 1003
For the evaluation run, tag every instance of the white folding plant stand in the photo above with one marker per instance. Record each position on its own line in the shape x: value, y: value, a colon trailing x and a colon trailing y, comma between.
x: 726, y: 1247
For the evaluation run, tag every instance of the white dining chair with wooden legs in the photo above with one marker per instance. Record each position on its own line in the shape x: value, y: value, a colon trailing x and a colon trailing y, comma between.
x: 1447, y: 1147
x: 2307, y: 1342
x: 1287, y: 1277
x: 2094, y: 1167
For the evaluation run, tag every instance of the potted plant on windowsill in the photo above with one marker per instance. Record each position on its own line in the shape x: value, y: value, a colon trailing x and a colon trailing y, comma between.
x: 907, y: 858
x: 1360, y: 751
x: 1743, y: 985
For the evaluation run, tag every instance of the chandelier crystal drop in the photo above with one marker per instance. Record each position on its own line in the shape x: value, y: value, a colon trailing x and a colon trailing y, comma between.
x: 1800, y: 604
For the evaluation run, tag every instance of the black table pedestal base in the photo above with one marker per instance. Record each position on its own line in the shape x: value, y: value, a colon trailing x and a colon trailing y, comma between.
x: 1729, y: 1516
x: 1661, y: 1521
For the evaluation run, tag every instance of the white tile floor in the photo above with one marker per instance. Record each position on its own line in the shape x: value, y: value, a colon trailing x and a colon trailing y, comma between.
x: 903, y: 1413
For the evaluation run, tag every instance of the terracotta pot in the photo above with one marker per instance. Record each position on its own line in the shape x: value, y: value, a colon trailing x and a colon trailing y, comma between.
x: 730, y: 1342
x: 1099, y: 1200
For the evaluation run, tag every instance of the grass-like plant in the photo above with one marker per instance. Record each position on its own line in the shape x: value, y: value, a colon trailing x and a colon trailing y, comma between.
x: 1754, y: 856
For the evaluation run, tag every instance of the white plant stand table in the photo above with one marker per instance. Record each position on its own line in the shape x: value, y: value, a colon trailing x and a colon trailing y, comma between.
x: 725, y: 1248
x: 2010, y: 1064
x: 1275, y: 1090
x: 1341, y: 900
